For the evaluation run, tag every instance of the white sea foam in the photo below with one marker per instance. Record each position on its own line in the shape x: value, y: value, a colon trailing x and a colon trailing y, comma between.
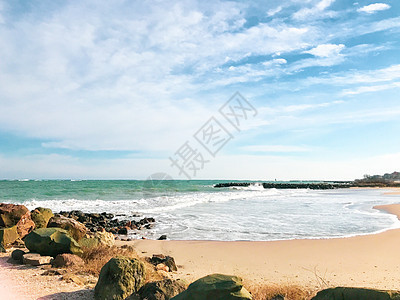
x: 249, y: 214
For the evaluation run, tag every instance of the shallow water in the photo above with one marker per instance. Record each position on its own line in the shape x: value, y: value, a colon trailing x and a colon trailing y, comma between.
x: 196, y: 210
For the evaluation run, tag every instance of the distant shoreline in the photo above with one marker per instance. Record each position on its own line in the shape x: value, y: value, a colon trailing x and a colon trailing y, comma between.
x: 314, y: 186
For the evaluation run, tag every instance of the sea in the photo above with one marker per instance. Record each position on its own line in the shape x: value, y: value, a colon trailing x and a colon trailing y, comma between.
x: 196, y: 210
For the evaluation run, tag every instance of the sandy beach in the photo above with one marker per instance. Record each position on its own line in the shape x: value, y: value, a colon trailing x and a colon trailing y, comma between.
x: 361, y: 261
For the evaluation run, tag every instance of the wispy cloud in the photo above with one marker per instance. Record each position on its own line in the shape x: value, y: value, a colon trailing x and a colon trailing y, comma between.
x: 370, y: 89
x: 326, y: 50
x: 276, y: 148
x: 373, y: 8
x: 315, y: 11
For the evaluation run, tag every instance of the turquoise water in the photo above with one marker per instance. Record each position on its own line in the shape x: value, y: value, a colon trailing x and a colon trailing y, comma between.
x: 195, y: 210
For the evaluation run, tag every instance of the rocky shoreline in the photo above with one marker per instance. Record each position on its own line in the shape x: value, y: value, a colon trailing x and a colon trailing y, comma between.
x: 108, y: 222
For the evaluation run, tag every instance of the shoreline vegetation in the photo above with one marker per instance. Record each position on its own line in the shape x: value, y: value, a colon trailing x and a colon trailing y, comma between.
x: 94, y: 262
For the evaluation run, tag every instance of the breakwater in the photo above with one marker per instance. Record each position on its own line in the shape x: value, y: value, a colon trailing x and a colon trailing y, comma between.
x: 307, y: 185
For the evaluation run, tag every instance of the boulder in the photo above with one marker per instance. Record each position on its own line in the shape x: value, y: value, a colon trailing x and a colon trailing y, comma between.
x: 17, y: 255
x: 119, y: 278
x: 69, y: 277
x: 41, y: 216
x: 8, y: 236
x: 217, y: 287
x: 348, y: 293
x: 13, y: 214
x: 97, y: 238
x: 166, y: 260
x: 35, y: 259
x: 51, y: 242
x: 161, y: 290
x: 162, y: 237
x: 76, y: 229
x: 67, y: 260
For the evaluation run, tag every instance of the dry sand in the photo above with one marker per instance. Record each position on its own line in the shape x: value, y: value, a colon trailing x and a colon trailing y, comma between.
x: 362, y: 261
x: 20, y: 282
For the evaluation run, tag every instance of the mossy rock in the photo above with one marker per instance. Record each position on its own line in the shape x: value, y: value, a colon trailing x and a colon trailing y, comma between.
x: 163, y: 289
x: 41, y: 216
x: 119, y: 278
x: 96, y: 239
x: 76, y: 229
x: 348, y: 293
x: 8, y: 236
x: 51, y: 242
x: 216, y: 287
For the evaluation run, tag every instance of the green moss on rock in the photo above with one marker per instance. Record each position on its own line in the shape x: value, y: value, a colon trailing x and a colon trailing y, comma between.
x: 51, y: 242
x: 119, y: 278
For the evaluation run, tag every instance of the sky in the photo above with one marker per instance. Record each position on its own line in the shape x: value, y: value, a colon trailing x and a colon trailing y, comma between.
x: 126, y: 89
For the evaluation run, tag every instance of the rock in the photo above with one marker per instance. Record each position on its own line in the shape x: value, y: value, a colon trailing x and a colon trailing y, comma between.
x: 67, y: 260
x: 348, y: 293
x: 166, y: 260
x: 35, y: 259
x: 119, y: 278
x: 97, y: 238
x: 13, y: 214
x: 51, y: 241
x: 53, y: 272
x: 17, y: 255
x: 8, y: 236
x: 123, y: 230
x: 163, y: 237
x: 161, y: 290
x: 41, y: 216
x: 76, y: 229
x: 217, y: 287
x: 73, y: 278
x: 162, y: 267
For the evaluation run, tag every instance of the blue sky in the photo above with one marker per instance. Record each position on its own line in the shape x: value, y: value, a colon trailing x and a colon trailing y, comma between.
x: 112, y: 90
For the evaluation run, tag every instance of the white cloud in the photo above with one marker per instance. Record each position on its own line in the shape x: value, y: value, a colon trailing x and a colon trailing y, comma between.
x: 274, y: 11
x: 275, y: 148
x: 360, y: 79
x: 315, y: 11
x: 373, y: 8
x: 371, y: 89
x: 326, y: 50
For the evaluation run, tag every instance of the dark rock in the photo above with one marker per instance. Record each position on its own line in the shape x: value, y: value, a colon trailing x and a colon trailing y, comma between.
x: 161, y: 290
x: 67, y: 260
x: 163, y: 237
x: 123, y: 230
x: 216, y: 287
x: 348, y: 293
x: 119, y: 278
x: 17, y: 255
x: 166, y: 260
x: 51, y: 242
